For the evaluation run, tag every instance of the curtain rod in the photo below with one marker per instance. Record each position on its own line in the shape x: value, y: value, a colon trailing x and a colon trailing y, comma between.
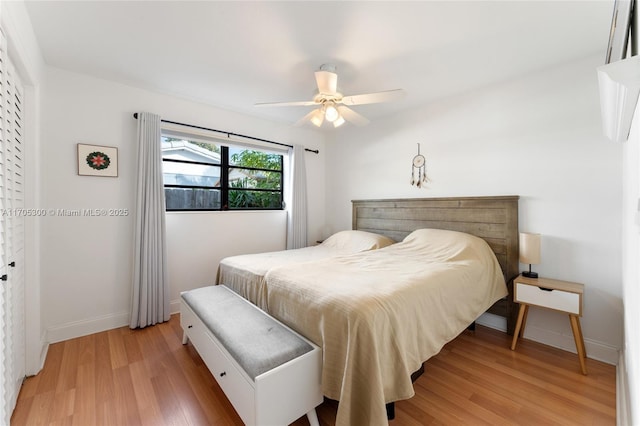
x: 315, y: 151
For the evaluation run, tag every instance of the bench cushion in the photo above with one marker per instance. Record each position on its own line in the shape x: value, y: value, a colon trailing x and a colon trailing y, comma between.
x: 255, y: 340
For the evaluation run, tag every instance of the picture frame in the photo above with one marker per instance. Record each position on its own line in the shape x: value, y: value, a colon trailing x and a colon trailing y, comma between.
x: 620, y: 29
x: 97, y: 160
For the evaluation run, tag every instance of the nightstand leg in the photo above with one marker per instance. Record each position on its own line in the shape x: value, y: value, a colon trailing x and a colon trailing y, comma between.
x: 584, y: 349
x: 524, y: 320
x: 577, y: 336
x: 521, y: 315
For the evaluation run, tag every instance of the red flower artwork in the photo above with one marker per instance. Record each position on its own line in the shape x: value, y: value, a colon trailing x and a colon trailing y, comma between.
x: 98, y: 160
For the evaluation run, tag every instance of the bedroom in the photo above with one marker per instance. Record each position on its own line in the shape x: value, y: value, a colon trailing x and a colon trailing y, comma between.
x: 535, y: 133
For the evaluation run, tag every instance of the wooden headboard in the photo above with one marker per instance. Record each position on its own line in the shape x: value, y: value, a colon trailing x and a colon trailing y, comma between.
x: 494, y: 219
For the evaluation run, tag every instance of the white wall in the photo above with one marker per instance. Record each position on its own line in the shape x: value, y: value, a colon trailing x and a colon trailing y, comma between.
x: 196, y: 243
x: 86, y: 262
x: 538, y: 137
x: 629, y: 376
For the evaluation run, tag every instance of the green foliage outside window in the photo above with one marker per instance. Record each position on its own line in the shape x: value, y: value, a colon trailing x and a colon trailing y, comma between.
x: 256, y: 179
x: 256, y: 159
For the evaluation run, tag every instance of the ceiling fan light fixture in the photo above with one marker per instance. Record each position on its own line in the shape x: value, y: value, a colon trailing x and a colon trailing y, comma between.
x: 318, y: 117
x: 331, y: 113
x: 332, y: 105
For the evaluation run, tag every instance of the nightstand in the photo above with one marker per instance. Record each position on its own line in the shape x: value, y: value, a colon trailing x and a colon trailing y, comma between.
x: 562, y: 296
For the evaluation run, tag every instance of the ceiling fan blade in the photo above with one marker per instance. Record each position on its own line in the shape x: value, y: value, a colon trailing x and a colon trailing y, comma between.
x: 352, y: 116
x: 295, y: 103
x: 327, y: 82
x: 373, y: 98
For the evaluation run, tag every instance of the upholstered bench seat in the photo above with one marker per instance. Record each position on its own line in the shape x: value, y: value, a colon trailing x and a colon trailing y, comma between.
x: 270, y: 374
x: 255, y: 340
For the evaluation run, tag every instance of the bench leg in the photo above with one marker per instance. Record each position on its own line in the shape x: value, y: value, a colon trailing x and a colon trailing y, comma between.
x: 185, y: 339
x: 313, y: 418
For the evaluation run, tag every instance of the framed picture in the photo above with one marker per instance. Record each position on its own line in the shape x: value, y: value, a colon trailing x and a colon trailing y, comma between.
x: 619, y: 34
x: 95, y: 160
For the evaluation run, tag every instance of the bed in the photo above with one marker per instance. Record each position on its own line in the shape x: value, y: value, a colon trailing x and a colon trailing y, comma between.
x: 370, y: 312
x: 492, y: 218
x: 244, y: 274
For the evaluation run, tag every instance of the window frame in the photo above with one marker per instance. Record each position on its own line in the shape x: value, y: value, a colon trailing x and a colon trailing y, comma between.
x: 226, y: 167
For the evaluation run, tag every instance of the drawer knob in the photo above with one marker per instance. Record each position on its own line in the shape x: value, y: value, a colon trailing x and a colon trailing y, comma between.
x: 545, y: 289
x: 224, y: 373
x: 189, y: 326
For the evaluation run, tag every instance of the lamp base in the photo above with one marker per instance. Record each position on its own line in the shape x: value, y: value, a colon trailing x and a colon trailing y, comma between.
x: 530, y: 274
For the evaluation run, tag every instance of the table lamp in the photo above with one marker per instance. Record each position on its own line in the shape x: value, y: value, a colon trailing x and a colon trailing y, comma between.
x: 530, y: 252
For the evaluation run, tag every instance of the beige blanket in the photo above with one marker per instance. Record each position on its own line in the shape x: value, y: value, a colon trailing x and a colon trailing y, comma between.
x: 378, y: 315
x: 244, y: 274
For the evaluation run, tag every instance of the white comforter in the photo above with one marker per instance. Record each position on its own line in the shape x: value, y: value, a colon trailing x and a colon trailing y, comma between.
x: 245, y: 273
x: 379, y: 314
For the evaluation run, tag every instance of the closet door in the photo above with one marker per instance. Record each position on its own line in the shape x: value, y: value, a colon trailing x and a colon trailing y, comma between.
x: 4, y: 299
x: 13, y: 214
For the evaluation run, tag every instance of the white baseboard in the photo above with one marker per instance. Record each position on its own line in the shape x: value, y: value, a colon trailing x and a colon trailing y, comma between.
x: 623, y: 406
x: 75, y: 329
x: 174, y: 306
x: 493, y: 321
x: 595, y: 350
x: 32, y: 370
x: 43, y: 354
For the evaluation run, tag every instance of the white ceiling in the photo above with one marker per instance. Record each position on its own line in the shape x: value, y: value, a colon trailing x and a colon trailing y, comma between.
x: 234, y: 54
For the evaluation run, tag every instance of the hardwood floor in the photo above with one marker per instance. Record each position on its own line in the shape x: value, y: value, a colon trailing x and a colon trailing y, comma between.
x: 147, y: 377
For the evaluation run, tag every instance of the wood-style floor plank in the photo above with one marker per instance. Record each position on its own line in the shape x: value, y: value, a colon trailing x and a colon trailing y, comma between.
x: 147, y: 377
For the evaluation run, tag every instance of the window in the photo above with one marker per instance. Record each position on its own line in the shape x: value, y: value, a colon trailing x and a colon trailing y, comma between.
x: 208, y: 176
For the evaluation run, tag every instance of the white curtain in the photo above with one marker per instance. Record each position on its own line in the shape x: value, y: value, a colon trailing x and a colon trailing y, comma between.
x: 296, y: 202
x: 150, y: 301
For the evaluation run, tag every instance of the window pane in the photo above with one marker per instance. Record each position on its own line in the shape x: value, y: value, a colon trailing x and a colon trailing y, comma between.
x: 254, y: 159
x: 243, y: 178
x: 201, y: 175
x: 241, y: 199
x: 193, y: 151
x: 192, y: 199
x: 190, y: 174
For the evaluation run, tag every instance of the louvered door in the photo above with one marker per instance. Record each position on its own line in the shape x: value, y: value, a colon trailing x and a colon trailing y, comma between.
x: 4, y: 299
x: 12, y: 235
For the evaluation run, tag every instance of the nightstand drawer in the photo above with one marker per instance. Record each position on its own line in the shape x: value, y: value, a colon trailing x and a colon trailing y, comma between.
x: 553, y: 299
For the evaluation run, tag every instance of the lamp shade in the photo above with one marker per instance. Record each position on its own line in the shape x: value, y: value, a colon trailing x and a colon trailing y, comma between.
x: 338, y: 121
x: 317, y: 118
x: 529, y: 248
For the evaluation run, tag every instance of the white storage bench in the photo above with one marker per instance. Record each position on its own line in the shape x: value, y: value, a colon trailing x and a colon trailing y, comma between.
x: 270, y: 373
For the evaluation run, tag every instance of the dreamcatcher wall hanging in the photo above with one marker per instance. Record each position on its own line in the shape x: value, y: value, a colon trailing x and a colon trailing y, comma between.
x: 419, y: 170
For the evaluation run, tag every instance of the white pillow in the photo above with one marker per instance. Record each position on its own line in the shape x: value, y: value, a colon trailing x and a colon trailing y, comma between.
x: 356, y: 241
x: 444, y: 237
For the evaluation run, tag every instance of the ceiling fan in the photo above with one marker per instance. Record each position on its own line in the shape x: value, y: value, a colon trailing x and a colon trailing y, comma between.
x: 332, y: 105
